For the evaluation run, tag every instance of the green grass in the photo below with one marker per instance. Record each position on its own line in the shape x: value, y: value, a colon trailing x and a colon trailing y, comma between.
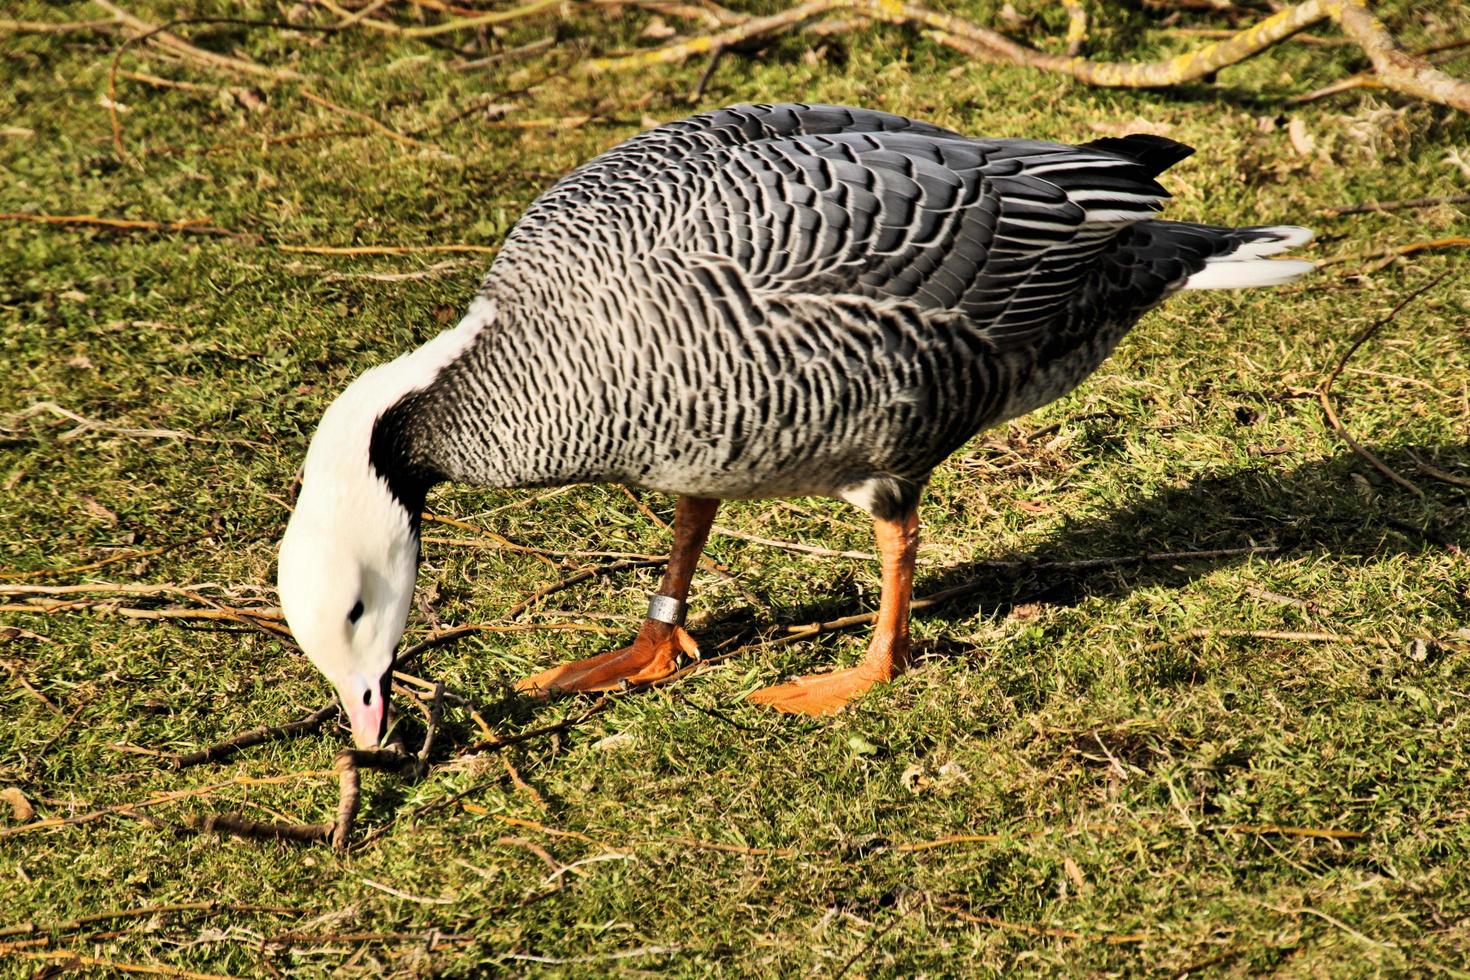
x: 1102, y: 724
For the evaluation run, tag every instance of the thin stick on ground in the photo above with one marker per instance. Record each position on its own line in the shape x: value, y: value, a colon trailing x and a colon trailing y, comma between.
x: 1324, y: 390
x: 82, y: 921
x: 1435, y: 473
x: 220, y: 751
x: 67, y: 958
x: 436, y: 718
x: 196, y: 226
x: 1112, y: 939
x: 237, y: 825
x: 579, y: 576
x: 960, y: 591
x: 1279, y: 830
x: 1387, y: 256
x: 519, y: 781
x: 158, y: 800
x: 108, y: 607
x: 20, y: 678
x: 348, y: 764
x: 374, y: 124
x: 571, y: 721
x: 388, y: 249
x: 801, y: 549
x: 55, y: 27
x: 92, y: 566
x: 1373, y: 207
x: 160, y: 35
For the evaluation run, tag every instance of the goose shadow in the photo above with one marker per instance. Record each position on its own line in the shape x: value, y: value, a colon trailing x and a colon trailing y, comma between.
x: 1337, y: 507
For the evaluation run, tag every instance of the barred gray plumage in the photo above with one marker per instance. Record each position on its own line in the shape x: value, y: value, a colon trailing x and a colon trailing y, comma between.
x: 758, y: 301
x: 778, y: 300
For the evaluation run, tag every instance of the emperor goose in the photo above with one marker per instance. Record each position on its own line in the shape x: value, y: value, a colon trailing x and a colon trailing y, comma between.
x: 759, y: 301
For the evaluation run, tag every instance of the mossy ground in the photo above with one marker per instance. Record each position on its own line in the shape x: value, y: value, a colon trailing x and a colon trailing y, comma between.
x: 1102, y: 724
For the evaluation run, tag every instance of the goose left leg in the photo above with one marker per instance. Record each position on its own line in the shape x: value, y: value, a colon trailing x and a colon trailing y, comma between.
x: 654, y: 654
x: 888, y: 651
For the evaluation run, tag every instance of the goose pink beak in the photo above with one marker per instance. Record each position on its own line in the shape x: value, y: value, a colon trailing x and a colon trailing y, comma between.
x: 367, y: 709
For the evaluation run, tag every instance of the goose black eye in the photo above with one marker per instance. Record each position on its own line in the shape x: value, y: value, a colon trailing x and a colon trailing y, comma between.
x: 367, y: 696
x: 356, y: 613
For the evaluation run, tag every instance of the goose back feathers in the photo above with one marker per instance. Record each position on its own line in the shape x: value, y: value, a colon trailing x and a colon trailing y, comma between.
x: 780, y: 300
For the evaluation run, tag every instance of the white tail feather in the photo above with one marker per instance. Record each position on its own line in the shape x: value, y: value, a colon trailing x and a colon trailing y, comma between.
x: 1247, y: 265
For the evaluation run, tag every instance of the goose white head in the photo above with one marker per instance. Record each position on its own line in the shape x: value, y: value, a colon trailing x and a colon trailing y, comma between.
x: 349, y: 557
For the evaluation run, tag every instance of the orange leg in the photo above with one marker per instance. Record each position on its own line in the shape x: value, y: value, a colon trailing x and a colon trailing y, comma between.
x: 888, y: 651
x: 653, y: 655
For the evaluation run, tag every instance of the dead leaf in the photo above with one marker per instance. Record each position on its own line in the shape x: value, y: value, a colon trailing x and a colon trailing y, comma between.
x: 1136, y: 125
x: 98, y: 511
x: 914, y: 779
x: 20, y: 807
x: 1074, y: 873
x: 1301, y: 140
x: 1032, y: 506
x: 657, y: 30
x: 250, y: 100
x: 1025, y: 610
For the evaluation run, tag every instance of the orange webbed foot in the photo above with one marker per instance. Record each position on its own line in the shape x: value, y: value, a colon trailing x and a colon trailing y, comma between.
x: 829, y: 693
x: 819, y: 694
x: 651, y: 657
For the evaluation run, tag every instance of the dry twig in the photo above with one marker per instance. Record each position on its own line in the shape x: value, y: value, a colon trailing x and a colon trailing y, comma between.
x: 55, y: 27
x: 195, y: 226
x: 1373, y: 207
x: 223, y: 750
x: 1324, y: 390
x: 386, y: 249
x: 579, y: 576
x: 70, y: 960
x: 159, y: 799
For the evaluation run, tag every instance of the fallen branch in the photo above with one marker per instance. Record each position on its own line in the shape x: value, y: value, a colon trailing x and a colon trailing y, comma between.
x: 448, y: 26
x: 988, y: 45
x: 1324, y: 390
x: 20, y: 678
x: 709, y: 845
x: 236, y: 825
x: 1388, y: 256
x: 1434, y: 472
x: 1396, y: 68
x: 951, y: 840
x: 262, y: 621
x: 1297, y: 636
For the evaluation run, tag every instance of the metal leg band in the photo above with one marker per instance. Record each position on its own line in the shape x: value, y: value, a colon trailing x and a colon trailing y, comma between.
x: 666, y: 609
